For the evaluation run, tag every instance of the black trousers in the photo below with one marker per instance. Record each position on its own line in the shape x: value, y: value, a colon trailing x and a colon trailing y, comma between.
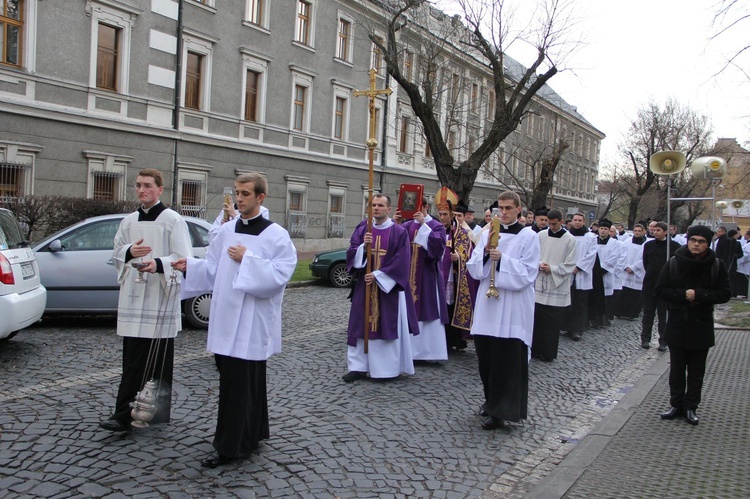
x: 630, y: 303
x: 504, y: 370
x: 547, y: 322
x: 243, y: 406
x: 135, y: 362
x: 576, y: 315
x: 686, y: 373
x: 651, y: 307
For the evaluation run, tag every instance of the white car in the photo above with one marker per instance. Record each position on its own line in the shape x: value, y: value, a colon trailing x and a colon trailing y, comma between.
x: 22, y: 296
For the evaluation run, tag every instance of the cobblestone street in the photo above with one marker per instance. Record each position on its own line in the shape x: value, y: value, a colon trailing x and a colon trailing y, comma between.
x: 415, y: 436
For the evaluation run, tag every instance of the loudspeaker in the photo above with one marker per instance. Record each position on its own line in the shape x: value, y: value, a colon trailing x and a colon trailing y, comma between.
x: 722, y: 205
x: 708, y: 167
x: 667, y: 162
x: 737, y: 205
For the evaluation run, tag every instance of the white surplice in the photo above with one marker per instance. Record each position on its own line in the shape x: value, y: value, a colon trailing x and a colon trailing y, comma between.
x: 247, y: 296
x: 634, y: 260
x: 609, y: 257
x: 560, y: 253
x: 511, y: 315
x: 585, y: 260
x: 150, y: 310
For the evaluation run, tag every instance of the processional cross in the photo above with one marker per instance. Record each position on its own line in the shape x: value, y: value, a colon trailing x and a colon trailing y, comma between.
x: 371, y: 143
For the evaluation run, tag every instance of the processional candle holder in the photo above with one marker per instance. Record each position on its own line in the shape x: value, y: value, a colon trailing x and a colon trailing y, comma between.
x: 492, y: 242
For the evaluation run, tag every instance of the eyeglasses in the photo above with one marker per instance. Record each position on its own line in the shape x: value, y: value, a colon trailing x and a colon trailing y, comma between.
x: 694, y: 240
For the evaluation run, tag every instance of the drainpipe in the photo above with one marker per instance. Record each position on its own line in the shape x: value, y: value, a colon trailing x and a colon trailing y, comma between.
x: 177, y: 99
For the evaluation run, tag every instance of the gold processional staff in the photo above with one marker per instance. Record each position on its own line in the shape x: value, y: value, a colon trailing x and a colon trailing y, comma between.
x: 371, y: 143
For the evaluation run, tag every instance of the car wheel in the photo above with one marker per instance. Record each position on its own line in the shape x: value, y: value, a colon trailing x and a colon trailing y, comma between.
x: 9, y: 336
x: 339, y: 277
x: 197, y: 310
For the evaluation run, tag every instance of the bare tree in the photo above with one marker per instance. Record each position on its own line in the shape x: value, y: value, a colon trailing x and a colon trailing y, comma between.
x: 732, y: 16
x: 412, y: 29
x: 669, y: 127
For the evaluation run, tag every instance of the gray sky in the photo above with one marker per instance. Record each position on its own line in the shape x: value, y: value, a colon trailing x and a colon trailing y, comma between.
x: 639, y: 50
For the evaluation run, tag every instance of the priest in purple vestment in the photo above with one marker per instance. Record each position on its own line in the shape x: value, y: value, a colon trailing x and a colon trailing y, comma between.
x: 427, y: 285
x: 391, y: 315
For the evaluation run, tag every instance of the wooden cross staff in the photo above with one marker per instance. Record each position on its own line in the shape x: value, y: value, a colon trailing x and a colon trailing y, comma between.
x: 371, y: 143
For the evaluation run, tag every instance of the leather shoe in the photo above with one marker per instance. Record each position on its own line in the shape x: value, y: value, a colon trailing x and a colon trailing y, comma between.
x: 492, y: 423
x: 575, y: 336
x: 646, y: 345
x: 662, y: 348
x: 691, y: 417
x: 217, y: 460
x: 353, y: 376
x: 115, y: 425
x: 483, y: 412
x: 672, y: 413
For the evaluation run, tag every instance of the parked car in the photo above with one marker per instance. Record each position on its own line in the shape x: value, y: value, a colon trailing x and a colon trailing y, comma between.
x: 331, y: 265
x: 77, y: 269
x: 22, y: 295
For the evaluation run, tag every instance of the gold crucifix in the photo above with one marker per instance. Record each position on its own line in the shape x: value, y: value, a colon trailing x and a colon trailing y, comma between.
x: 372, y: 93
x: 371, y: 143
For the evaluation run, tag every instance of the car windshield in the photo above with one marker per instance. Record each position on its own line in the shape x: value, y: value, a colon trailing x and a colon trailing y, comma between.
x: 10, y: 232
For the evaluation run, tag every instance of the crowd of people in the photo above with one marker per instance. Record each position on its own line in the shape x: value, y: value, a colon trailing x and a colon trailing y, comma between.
x: 424, y: 288
x: 517, y: 281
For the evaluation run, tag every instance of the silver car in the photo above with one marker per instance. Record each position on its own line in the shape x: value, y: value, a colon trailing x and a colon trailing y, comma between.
x: 77, y: 269
x: 22, y: 296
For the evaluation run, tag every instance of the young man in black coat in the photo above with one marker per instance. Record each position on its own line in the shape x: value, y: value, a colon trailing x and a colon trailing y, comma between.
x: 654, y: 259
x: 692, y: 282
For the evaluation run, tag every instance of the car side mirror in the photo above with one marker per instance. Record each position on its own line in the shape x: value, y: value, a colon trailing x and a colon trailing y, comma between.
x: 55, y: 246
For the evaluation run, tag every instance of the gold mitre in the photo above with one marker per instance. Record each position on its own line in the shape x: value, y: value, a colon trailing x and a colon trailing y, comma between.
x: 446, y: 199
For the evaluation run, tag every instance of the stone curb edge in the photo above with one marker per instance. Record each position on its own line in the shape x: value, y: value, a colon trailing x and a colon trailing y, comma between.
x: 556, y: 484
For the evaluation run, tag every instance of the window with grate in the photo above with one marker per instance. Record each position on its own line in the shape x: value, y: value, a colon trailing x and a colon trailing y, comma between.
x: 106, y: 186
x: 12, y: 180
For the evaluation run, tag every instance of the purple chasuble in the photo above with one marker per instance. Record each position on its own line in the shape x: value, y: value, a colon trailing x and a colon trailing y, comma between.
x: 390, y: 253
x: 426, y: 282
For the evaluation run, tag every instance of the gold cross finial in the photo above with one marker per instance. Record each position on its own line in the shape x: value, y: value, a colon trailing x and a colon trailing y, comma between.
x: 372, y: 93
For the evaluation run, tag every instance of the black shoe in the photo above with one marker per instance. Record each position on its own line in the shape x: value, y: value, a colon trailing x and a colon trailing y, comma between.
x: 217, y: 460
x: 672, y: 413
x: 483, y: 412
x: 646, y: 345
x: 115, y: 425
x: 575, y: 336
x: 691, y: 417
x: 662, y: 348
x: 353, y: 376
x: 492, y: 423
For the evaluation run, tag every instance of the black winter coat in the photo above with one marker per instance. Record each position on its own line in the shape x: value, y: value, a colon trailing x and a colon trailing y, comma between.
x: 654, y: 258
x: 690, y: 325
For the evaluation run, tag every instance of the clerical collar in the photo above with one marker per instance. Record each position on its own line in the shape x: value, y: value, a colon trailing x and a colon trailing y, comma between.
x: 513, y: 228
x: 388, y: 222
x: 560, y: 233
x: 599, y: 240
x: 252, y: 226
x: 246, y: 221
x: 152, y: 213
x: 579, y: 232
x: 427, y: 218
x: 622, y: 233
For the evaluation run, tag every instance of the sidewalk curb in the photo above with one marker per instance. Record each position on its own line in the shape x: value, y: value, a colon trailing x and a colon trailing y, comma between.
x: 300, y: 284
x: 556, y: 484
